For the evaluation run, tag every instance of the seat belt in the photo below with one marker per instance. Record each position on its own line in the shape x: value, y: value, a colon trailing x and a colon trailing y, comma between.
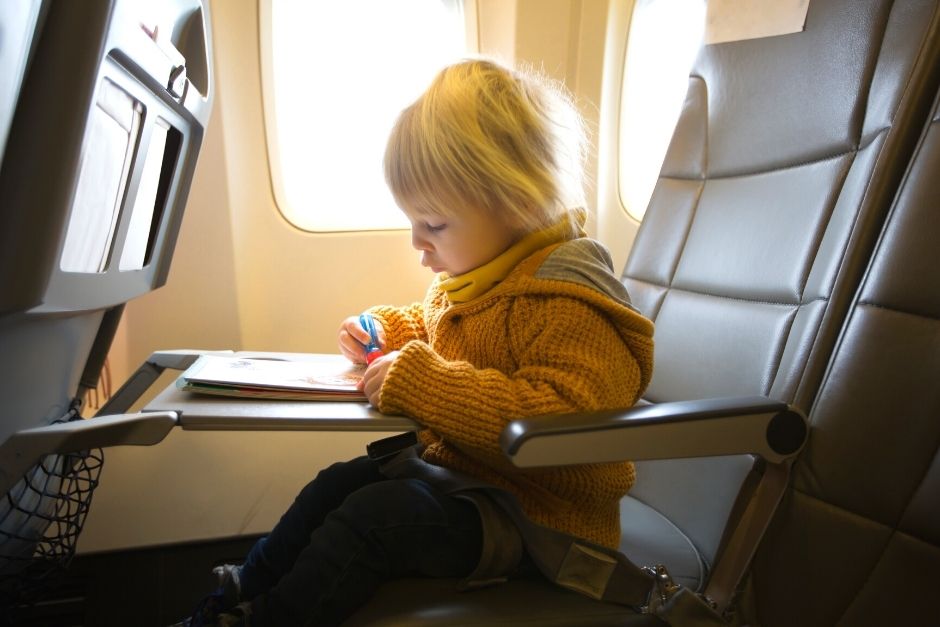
x: 571, y: 562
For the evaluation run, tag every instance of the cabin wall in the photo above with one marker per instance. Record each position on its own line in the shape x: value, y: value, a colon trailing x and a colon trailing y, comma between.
x: 244, y: 278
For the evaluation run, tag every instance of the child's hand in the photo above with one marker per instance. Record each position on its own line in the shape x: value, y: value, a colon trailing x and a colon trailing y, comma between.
x: 353, y: 339
x: 374, y: 376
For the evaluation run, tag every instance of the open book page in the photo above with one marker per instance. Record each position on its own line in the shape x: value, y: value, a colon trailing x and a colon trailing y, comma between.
x: 273, y: 379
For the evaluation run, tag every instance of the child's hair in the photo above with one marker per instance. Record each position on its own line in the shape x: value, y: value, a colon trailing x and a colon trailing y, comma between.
x: 488, y: 137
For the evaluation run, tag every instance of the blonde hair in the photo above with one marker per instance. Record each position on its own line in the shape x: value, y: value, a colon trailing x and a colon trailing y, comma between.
x: 488, y: 137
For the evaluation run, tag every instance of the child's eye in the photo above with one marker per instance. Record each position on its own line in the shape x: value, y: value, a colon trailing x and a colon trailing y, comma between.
x: 435, y: 228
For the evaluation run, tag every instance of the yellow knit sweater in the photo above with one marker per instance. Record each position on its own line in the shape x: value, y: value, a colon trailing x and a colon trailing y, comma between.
x: 551, y: 337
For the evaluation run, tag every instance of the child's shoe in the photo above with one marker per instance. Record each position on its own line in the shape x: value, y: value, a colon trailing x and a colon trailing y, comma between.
x: 225, y: 598
x: 227, y: 579
x: 238, y: 616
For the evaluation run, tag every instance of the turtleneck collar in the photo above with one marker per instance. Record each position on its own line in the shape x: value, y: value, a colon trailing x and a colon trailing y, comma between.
x: 469, y: 285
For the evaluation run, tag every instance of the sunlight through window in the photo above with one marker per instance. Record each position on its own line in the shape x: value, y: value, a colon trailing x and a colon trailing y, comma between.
x: 336, y: 76
x: 664, y: 37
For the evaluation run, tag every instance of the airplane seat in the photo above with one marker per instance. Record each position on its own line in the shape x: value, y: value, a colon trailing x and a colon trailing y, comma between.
x: 18, y: 26
x: 781, y: 171
x: 103, y: 107
x: 779, y: 177
x: 857, y: 540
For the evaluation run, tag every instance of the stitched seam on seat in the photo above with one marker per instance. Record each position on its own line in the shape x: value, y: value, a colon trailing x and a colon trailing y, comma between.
x: 892, y: 528
x: 776, y: 359
x: 915, y: 486
x: 811, y: 263
x: 934, y: 317
x: 825, y: 227
x: 893, y: 531
x: 685, y: 237
x: 904, y: 93
x: 755, y: 301
x: 698, y: 195
x: 780, y: 168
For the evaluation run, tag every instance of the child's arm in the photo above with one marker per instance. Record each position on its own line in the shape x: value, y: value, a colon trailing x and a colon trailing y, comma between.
x: 575, y: 359
x: 400, y: 324
x: 394, y: 326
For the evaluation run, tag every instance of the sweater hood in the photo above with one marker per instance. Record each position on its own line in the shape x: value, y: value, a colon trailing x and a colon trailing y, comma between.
x: 585, y: 262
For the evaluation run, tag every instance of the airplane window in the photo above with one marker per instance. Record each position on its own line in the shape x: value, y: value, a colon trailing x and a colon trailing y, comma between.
x: 335, y: 77
x: 660, y: 50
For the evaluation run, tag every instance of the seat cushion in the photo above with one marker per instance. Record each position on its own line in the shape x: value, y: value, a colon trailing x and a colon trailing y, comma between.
x: 529, y: 602
x: 649, y: 538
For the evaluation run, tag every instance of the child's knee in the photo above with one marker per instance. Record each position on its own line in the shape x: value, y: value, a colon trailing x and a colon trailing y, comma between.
x: 359, y: 469
x: 396, y: 501
x: 336, y: 481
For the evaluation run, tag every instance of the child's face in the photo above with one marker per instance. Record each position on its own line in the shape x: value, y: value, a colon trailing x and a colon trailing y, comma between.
x: 459, y: 243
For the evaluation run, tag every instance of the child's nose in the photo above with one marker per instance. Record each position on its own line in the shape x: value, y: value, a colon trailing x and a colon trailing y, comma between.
x: 418, y: 242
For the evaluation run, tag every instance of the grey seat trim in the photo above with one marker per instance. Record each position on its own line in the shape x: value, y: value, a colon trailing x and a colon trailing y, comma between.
x: 636, y: 551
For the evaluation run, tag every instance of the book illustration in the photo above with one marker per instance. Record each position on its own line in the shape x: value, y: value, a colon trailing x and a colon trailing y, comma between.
x: 338, y: 381
x: 323, y: 380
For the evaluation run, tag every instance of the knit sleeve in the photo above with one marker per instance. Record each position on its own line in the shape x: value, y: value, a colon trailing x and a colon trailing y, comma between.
x: 401, y: 324
x: 569, y: 357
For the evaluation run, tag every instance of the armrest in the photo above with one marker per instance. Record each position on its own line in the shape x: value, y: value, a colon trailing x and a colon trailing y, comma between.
x: 722, y: 426
x: 701, y: 428
x: 25, y: 448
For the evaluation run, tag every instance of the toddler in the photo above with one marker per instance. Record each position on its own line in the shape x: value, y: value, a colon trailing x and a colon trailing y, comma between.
x: 524, y: 317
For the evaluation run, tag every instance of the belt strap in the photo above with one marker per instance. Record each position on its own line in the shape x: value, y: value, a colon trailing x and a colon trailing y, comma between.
x: 501, y: 552
x: 571, y: 562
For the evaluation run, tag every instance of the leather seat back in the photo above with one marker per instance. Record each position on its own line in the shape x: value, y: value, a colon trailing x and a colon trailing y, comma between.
x: 103, y: 108
x: 857, y: 541
x: 782, y: 168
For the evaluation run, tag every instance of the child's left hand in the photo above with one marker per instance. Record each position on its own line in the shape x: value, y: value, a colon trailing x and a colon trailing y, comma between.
x: 374, y: 376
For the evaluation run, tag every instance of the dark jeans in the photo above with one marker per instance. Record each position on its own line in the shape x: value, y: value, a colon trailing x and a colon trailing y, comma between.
x: 348, y: 531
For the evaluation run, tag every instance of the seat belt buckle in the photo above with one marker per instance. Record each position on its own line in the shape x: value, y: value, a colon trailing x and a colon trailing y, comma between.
x: 677, y: 605
x: 385, y: 448
x: 663, y: 588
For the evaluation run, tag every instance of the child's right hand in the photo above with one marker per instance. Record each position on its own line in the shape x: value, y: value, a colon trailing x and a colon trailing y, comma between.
x: 353, y: 339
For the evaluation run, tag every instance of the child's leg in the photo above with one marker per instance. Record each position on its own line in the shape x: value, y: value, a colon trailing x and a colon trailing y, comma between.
x: 385, y: 530
x: 274, y: 555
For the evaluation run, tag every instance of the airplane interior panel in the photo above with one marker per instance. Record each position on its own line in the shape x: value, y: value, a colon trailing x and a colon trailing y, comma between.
x: 525, y: 312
